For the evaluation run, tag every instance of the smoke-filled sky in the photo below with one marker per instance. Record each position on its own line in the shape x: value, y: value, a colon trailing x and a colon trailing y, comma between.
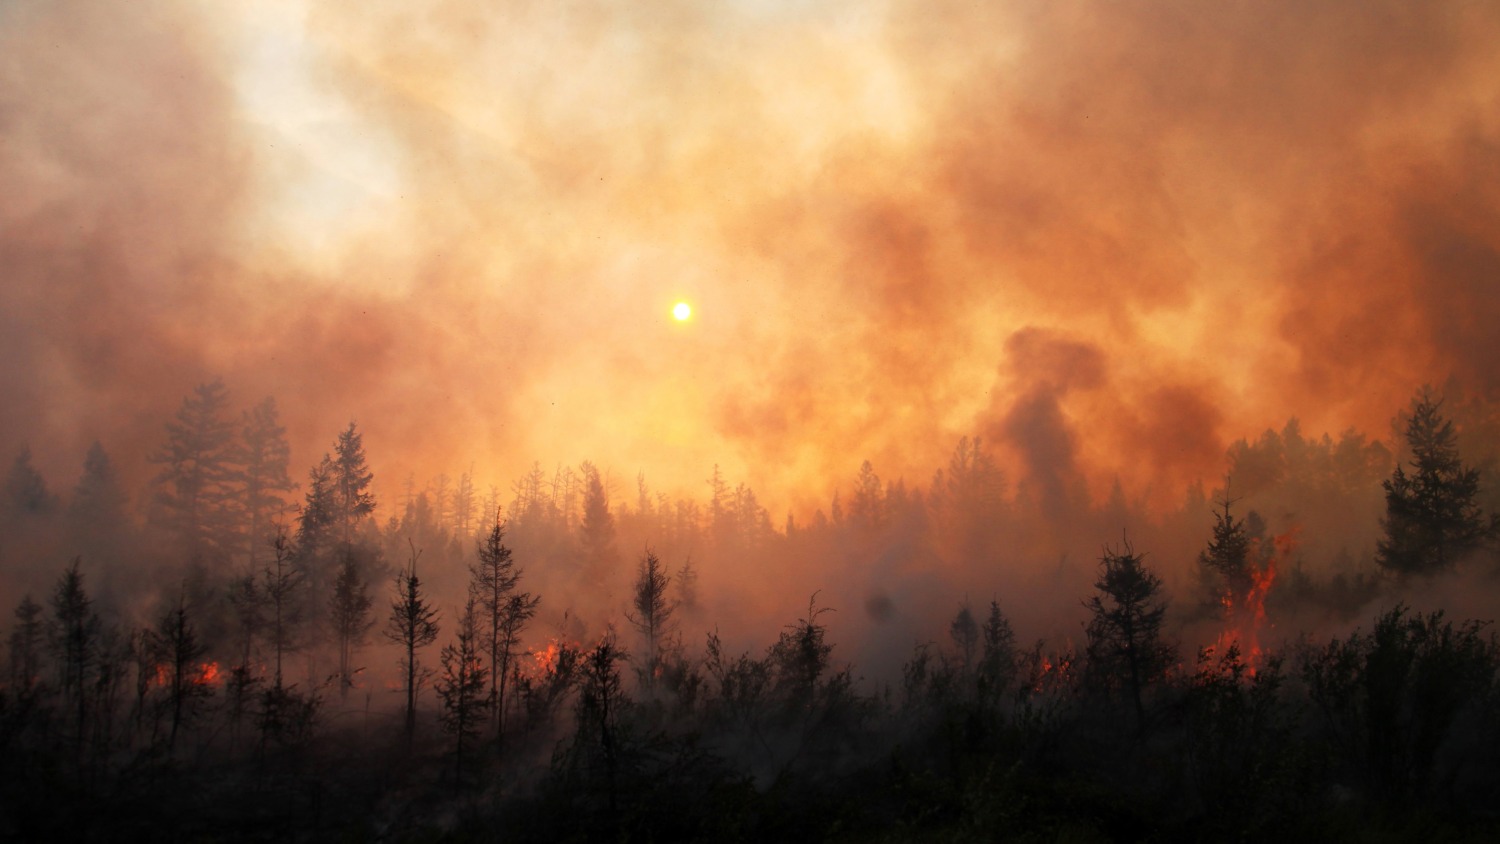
x: 1108, y: 238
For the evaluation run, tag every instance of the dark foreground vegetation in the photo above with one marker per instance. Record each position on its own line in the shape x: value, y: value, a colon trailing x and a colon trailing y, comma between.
x: 231, y: 701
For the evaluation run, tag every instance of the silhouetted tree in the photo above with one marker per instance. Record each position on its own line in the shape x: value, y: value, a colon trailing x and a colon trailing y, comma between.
x: 997, y: 659
x: 492, y: 582
x: 1431, y: 517
x: 1227, y: 557
x: 598, y: 528
x: 26, y: 641
x: 349, y: 612
x: 653, y: 613
x: 800, y: 656
x: 25, y: 490
x: 98, y: 506
x: 174, y: 644
x: 318, y: 519
x: 264, y: 455
x: 1389, y: 700
x: 281, y: 582
x: 1126, y: 650
x: 74, y: 638
x: 463, y: 504
x: 686, y: 579
x: 964, y: 631
x: 601, y: 700
x: 195, y: 489
x: 461, y: 685
x: 413, y: 625
x: 867, y: 507
x: 352, y: 499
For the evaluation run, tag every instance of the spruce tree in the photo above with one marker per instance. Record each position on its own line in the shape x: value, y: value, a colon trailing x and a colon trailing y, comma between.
x: 1126, y: 649
x: 195, y: 488
x: 1431, y: 519
x: 461, y: 685
x: 413, y: 625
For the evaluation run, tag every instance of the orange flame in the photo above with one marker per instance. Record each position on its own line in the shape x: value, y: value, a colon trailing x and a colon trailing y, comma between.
x: 1247, y: 619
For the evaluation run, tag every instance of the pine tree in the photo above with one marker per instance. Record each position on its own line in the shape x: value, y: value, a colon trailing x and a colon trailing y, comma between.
x: 413, y: 625
x: 25, y: 490
x: 265, y: 454
x: 26, y: 640
x: 1432, y: 519
x: 281, y: 584
x: 1227, y: 557
x: 964, y: 631
x: 174, y: 643
x: 492, y: 584
x: 461, y: 686
x: 653, y: 613
x: 352, y: 499
x: 598, y: 528
x: 74, y: 638
x: 601, y: 701
x: 98, y: 499
x: 195, y: 489
x: 867, y: 509
x: 997, y: 659
x: 1126, y: 650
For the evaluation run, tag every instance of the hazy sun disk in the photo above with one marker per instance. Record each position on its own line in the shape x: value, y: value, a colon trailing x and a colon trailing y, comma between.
x: 681, y: 311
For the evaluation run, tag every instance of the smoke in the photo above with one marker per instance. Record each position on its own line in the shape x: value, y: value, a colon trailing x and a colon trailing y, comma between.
x: 1111, y: 237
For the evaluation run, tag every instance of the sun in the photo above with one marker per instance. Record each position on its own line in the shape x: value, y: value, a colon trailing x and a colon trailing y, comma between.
x: 681, y: 311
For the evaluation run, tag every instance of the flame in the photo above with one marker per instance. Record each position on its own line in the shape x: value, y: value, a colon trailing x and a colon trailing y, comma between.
x: 1247, y: 617
x: 207, y: 674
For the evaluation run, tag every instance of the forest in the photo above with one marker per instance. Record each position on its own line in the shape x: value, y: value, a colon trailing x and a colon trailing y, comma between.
x: 228, y: 654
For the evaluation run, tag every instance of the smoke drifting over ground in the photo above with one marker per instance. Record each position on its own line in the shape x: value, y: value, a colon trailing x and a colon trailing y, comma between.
x: 464, y: 228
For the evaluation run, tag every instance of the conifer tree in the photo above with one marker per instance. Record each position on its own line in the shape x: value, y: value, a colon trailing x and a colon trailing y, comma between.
x: 997, y: 659
x: 413, y: 625
x: 964, y: 631
x: 1227, y: 557
x: 352, y: 499
x: 598, y: 528
x: 461, y: 686
x: 195, y: 489
x: 74, y: 638
x: 503, y: 611
x: 264, y: 454
x: 26, y: 640
x: 653, y: 612
x: 1431, y: 516
x: 1126, y: 649
x: 174, y: 643
x: 25, y: 490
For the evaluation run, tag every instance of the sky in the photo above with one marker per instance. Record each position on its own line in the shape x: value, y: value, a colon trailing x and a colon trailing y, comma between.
x: 1107, y: 238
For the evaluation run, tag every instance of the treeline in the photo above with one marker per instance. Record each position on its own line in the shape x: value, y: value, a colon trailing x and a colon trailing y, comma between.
x: 242, y: 664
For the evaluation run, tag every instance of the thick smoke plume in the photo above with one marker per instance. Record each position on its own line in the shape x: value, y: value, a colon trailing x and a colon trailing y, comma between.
x: 1108, y: 238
